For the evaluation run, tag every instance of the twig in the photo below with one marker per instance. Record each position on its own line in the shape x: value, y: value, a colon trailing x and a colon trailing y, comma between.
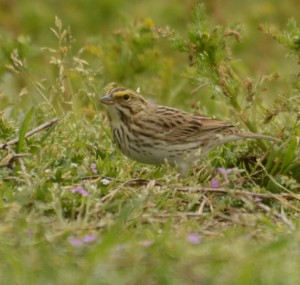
x: 11, y: 157
x: 239, y: 192
x: 279, y: 196
x: 176, y: 215
x: 110, y: 195
x: 31, y: 133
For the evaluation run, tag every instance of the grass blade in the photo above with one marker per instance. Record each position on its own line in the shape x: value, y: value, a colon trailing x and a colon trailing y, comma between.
x: 23, y: 131
x: 289, y: 156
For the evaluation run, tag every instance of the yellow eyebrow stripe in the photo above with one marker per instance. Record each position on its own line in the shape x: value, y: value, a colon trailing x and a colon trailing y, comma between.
x: 121, y: 93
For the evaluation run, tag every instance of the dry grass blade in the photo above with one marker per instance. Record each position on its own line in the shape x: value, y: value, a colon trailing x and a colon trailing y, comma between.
x: 110, y: 195
x: 282, y: 197
x: 278, y: 197
x: 10, y: 158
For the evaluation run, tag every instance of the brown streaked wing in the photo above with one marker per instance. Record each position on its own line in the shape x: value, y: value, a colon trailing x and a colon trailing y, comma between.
x: 172, y: 124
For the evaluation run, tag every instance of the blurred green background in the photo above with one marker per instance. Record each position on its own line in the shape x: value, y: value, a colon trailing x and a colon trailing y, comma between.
x: 111, y: 42
x: 92, y: 19
x: 108, y: 35
x: 26, y: 24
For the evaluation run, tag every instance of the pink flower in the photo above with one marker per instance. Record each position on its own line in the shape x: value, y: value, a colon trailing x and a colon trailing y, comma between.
x: 258, y: 199
x: 193, y: 238
x: 214, y: 183
x: 74, y: 241
x: 94, y: 168
x: 80, y: 241
x: 224, y: 171
x: 79, y: 189
x: 89, y: 238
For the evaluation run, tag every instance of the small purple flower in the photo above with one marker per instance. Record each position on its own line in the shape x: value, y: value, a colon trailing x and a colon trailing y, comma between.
x: 89, y: 238
x: 94, y: 168
x: 193, y: 238
x: 257, y: 199
x: 214, y: 183
x: 74, y: 241
x: 224, y: 171
x: 77, y: 242
x: 79, y: 189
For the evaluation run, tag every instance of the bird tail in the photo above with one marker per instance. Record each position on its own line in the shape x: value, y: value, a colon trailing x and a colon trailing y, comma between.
x: 256, y: 136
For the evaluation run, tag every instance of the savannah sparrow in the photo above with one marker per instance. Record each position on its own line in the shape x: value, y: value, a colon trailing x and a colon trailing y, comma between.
x: 155, y: 134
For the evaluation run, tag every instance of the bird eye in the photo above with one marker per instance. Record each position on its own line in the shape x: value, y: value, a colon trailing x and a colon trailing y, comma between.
x: 126, y: 97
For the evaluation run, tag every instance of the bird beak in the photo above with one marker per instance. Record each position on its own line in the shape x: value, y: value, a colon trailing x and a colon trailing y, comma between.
x: 107, y: 99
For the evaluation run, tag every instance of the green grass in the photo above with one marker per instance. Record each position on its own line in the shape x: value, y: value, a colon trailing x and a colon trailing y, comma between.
x: 73, y: 210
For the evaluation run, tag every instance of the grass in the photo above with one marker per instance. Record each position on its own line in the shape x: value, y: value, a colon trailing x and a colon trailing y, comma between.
x: 74, y: 210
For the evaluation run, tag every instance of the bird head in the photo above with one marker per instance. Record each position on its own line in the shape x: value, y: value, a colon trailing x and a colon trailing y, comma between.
x: 125, y: 101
